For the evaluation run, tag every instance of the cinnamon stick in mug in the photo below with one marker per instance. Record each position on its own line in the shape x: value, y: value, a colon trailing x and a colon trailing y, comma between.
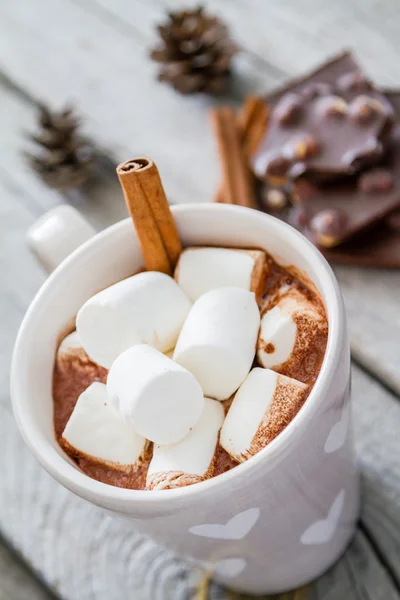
x: 146, y: 201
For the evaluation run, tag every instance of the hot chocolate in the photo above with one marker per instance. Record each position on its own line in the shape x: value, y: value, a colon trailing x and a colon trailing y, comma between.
x: 249, y: 339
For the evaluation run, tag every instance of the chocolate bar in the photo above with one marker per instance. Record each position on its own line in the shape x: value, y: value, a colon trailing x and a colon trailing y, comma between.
x: 327, y: 124
x: 375, y: 193
x: 336, y: 212
x: 355, y: 218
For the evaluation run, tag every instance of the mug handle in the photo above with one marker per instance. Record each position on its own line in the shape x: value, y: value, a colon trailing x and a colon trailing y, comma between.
x: 56, y: 234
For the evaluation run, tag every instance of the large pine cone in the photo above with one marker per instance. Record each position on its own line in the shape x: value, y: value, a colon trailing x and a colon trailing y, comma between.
x: 195, y: 52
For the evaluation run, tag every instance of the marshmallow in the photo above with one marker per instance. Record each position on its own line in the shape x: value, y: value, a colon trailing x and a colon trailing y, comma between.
x: 192, y: 459
x: 147, y: 308
x: 217, y: 341
x: 96, y: 430
x: 161, y: 399
x: 288, y: 333
x: 200, y: 270
x: 70, y: 344
x: 70, y: 352
x: 262, y: 407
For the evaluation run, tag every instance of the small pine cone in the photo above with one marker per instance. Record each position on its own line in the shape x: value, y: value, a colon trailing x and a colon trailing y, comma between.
x: 195, y: 52
x: 64, y: 159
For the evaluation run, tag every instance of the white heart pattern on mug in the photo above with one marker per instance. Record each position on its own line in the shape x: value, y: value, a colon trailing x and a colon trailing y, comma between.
x: 321, y: 532
x: 337, y: 435
x: 235, y: 529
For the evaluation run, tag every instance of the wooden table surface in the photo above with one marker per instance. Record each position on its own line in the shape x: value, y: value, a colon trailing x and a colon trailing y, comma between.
x: 95, y: 53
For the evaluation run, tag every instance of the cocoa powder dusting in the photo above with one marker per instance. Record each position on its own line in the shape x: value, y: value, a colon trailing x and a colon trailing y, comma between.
x: 72, y: 375
x: 287, y: 401
x: 223, y: 461
x: 308, y: 352
x: 302, y: 365
x: 135, y: 479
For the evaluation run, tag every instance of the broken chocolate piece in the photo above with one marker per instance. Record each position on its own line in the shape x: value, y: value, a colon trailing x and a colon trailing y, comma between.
x: 370, y: 201
x: 378, y: 245
x: 343, y: 145
x: 364, y: 199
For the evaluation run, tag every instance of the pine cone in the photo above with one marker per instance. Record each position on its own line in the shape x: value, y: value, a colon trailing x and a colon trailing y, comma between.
x: 65, y: 159
x: 195, y: 52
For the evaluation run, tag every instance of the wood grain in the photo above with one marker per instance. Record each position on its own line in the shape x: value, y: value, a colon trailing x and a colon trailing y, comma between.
x: 16, y: 583
x: 377, y: 418
x: 96, y: 53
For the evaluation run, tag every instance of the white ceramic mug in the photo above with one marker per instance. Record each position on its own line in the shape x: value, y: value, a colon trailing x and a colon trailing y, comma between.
x: 275, y: 521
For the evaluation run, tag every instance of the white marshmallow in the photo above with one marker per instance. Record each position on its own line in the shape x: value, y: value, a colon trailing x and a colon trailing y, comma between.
x: 161, y: 399
x: 70, y: 350
x: 293, y: 321
x: 70, y: 344
x: 217, y: 341
x: 191, y: 459
x: 277, y: 337
x: 264, y: 404
x: 147, y: 308
x: 97, y: 430
x: 200, y: 270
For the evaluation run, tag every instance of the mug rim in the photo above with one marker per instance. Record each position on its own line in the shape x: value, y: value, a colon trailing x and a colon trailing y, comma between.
x: 105, y: 494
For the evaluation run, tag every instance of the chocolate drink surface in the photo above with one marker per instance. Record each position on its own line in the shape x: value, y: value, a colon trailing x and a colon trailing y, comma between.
x: 290, y: 347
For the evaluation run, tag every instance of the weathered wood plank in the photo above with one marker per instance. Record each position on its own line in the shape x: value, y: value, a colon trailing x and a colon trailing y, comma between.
x: 357, y: 575
x: 106, y: 69
x: 372, y: 299
x: 102, y: 204
x: 16, y: 583
x: 104, y: 62
x: 284, y: 36
x: 377, y: 418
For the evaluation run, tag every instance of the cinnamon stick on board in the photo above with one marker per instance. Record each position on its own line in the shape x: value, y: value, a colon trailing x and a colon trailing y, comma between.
x: 238, y: 188
x: 148, y: 206
x: 252, y: 121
